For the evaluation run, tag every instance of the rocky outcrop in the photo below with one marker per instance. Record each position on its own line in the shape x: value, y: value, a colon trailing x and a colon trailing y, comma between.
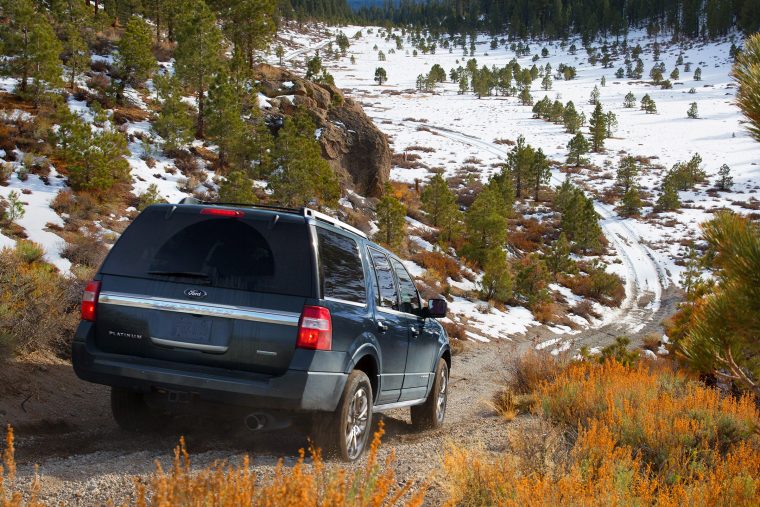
x: 353, y: 146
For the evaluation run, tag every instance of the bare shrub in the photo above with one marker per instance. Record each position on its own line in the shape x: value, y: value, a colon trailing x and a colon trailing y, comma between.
x: 526, y: 372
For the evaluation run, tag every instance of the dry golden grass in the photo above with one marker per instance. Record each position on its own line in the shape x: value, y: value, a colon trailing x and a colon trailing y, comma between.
x: 304, y: 484
x: 644, y: 437
x: 10, y: 496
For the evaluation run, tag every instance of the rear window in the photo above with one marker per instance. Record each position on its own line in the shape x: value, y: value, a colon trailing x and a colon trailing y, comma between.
x: 341, y: 271
x: 254, y: 253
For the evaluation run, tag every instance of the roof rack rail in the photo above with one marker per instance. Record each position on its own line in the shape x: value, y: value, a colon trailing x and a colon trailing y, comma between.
x: 306, y: 212
x: 310, y: 213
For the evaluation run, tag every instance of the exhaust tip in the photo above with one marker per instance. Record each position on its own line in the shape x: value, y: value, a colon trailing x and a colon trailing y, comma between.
x: 255, y: 422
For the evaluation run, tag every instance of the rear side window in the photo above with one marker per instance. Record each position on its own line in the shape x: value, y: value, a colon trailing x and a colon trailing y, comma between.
x: 410, y: 299
x: 341, y: 273
x: 386, y: 293
x: 251, y: 253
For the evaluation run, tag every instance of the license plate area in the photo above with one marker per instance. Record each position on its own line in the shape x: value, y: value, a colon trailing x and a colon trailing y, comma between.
x: 192, y: 333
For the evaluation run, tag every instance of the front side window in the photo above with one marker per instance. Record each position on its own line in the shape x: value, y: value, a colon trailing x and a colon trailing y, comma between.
x: 386, y: 286
x: 410, y: 299
x: 341, y: 272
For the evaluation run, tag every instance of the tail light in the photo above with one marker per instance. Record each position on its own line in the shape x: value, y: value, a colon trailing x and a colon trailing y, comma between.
x: 315, y: 329
x: 90, y: 300
x: 217, y: 212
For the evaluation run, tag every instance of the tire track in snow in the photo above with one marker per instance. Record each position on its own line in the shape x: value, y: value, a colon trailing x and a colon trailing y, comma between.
x: 645, y: 277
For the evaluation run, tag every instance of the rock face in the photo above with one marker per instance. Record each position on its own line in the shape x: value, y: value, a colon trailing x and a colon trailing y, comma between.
x: 353, y: 146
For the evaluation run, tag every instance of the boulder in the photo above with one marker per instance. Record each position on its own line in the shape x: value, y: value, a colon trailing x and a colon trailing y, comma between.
x: 351, y: 143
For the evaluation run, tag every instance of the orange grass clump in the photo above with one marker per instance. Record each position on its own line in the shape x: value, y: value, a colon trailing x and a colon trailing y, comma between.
x: 224, y: 485
x: 9, y: 495
x: 645, y: 437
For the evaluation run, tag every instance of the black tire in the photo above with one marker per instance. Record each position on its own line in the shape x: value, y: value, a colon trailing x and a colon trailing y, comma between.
x: 131, y: 412
x: 353, y: 414
x: 430, y: 415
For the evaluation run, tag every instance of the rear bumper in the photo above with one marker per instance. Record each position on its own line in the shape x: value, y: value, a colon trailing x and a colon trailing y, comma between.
x: 294, y: 390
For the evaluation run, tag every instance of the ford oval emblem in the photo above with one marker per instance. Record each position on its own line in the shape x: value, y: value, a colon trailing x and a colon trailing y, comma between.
x: 195, y: 293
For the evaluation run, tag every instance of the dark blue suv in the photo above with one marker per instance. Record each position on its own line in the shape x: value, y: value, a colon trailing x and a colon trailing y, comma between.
x: 283, y: 313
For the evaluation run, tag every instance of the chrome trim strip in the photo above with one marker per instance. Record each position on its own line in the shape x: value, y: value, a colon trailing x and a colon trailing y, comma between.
x: 207, y: 309
x: 346, y: 302
x: 399, y: 404
x: 391, y: 311
x: 187, y: 345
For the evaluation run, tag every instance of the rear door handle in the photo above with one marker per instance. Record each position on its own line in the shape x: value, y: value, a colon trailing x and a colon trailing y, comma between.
x: 415, y: 331
x: 382, y: 326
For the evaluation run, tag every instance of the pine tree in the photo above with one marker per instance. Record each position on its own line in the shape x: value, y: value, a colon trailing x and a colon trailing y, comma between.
x: 598, y: 128
x: 594, y: 97
x: 237, y: 188
x: 279, y: 52
x: 531, y: 280
x: 603, y: 82
x: 540, y: 172
x: 225, y: 124
x: 520, y: 160
x: 577, y: 148
x: 95, y: 160
x: 486, y: 225
x: 198, y: 53
x: 698, y: 74
x: 588, y: 233
x: 77, y: 54
x: 725, y: 181
x: 631, y: 202
x: 612, y: 123
x: 380, y: 76
x: 301, y: 176
x: 313, y: 67
x: 648, y: 105
x: 135, y: 61
x: 496, y: 284
x: 391, y: 221
x: 571, y: 119
x: 546, y: 82
x: 438, y: 201
x: 36, y: 55
x: 630, y: 100
x: 15, y: 208
x: 627, y: 174
x: 675, y: 74
x: 693, y: 112
x: 668, y: 200
x: 173, y: 121
x: 248, y: 24
x: 747, y: 74
x: 558, y: 259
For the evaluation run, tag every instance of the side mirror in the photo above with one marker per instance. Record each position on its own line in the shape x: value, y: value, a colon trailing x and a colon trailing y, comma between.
x: 436, y: 308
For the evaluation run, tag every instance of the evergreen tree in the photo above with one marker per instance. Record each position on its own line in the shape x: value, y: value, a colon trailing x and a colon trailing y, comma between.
x: 439, y: 202
x: 627, y: 174
x: 279, y: 52
x: 747, y: 74
x: 135, y: 61
x: 248, y: 24
x: 546, y: 82
x: 34, y: 52
x: 603, y: 82
x: 630, y: 101
x: 675, y: 74
x: 558, y: 259
x: 668, y: 200
x: 225, y: 123
x: 531, y: 281
x: 725, y: 180
x: 612, y: 123
x: 520, y: 160
x: 301, y: 176
x: 486, y: 225
x: 496, y: 284
x: 577, y: 148
x: 391, y: 221
x: 693, y: 112
x: 540, y: 172
x: 77, y: 54
x: 598, y: 128
x: 526, y: 99
x: 380, y: 76
x: 173, y: 121
x: 313, y: 67
x: 198, y: 53
x: 95, y: 160
x: 648, y: 105
x: 698, y: 74
x: 594, y: 98
x: 464, y: 85
x: 237, y: 188
x: 631, y: 202
x: 571, y: 119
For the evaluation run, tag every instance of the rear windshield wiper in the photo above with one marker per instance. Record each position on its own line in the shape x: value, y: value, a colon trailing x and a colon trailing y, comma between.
x: 184, y: 274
